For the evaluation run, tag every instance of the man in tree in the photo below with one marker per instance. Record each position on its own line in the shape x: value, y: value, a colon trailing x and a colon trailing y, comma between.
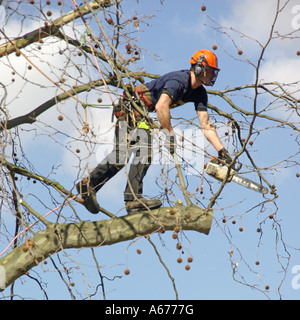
x: 133, y: 132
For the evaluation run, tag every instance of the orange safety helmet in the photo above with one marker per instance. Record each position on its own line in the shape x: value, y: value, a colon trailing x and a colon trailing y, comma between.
x: 203, y: 60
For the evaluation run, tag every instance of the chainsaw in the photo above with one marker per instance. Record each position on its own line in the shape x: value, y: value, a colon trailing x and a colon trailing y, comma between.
x: 216, y: 169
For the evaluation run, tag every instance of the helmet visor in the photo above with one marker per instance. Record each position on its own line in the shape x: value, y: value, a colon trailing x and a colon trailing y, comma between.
x: 211, y: 76
x: 215, y: 75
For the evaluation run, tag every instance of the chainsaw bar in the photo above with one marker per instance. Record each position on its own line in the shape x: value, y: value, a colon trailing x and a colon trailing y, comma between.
x: 249, y: 184
x: 221, y: 172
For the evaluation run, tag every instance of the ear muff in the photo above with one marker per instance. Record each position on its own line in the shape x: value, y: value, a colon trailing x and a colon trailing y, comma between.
x: 198, y: 69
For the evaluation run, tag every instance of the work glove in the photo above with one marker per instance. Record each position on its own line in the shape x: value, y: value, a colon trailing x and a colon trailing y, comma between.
x: 224, y: 155
x: 170, y: 143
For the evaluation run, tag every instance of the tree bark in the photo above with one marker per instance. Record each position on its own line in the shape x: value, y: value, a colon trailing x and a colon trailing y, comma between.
x: 84, y: 234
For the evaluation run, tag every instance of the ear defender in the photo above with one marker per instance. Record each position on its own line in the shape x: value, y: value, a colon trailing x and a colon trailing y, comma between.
x: 198, y: 70
x: 199, y: 67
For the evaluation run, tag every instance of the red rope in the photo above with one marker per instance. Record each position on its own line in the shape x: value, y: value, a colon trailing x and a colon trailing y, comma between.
x: 45, y: 215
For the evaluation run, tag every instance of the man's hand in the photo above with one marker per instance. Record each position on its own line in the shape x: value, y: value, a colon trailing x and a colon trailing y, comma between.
x: 225, y: 156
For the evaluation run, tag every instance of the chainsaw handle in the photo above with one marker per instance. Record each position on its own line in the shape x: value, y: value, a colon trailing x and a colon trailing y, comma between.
x: 214, y: 160
x: 237, y: 167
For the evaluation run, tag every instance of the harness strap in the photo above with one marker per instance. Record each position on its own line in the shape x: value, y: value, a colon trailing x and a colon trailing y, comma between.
x: 144, y: 93
x: 123, y: 108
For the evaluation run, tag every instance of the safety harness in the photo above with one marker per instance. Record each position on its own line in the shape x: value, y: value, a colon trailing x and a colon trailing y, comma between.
x: 124, y: 111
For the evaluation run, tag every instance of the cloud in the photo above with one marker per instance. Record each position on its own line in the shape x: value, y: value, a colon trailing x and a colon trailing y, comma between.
x: 255, y: 18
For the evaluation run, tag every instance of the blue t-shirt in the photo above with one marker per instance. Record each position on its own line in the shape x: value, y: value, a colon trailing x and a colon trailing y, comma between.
x: 177, y: 85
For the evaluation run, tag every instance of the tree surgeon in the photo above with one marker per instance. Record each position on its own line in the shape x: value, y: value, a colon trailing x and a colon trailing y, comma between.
x: 133, y: 132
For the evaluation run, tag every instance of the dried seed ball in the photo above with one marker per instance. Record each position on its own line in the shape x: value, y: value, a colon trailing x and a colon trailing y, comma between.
x: 174, y: 235
x: 190, y: 259
x: 179, y: 260
x: 127, y: 271
x: 297, y: 175
x: 162, y: 230
x: 48, y: 2
x: 49, y: 13
x: 251, y: 143
x: 178, y: 246
x: 187, y: 267
x: 298, y: 53
x: 138, y: 251
x: 99, y: 100
x: 59, y: 3
x: 60, y: 118
x: 233, y: 222
x: 77, y: 150
x: 30, y: 243
x: 25, y: 249
x: 257, y: 263
x: 203, y: 8
x: 172, y: 212
x: 267, y: 287
x: 72, y: 284
x: 215, y: 47
x: 240, y: 52
x: 241, y: 229
x: 177, y: 229
x: 109, y: 21
x: 32, y: 1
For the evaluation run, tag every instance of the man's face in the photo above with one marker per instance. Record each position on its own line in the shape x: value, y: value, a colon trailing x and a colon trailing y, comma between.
x: 209, y: 76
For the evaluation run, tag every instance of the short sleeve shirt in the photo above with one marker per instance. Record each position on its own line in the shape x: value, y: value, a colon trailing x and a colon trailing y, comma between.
x: 177, y: 85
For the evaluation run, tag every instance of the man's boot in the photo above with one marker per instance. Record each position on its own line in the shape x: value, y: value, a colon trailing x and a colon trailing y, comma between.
x: 142, y: 204
x: 88, y: 195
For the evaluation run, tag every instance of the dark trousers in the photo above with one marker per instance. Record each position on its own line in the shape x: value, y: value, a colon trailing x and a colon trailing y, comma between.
x: 128, y: 141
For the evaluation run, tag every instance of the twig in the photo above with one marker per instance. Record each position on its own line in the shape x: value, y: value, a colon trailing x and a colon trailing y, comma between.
x: 161, y: 261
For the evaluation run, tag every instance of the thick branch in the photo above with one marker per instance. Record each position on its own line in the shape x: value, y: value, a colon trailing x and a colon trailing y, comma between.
x: 100, y: 233
x: 32, y: 115
x: 36, y: 35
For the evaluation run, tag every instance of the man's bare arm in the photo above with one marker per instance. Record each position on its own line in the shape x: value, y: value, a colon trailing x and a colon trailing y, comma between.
x: 209, y: 130
x: 162, y: 108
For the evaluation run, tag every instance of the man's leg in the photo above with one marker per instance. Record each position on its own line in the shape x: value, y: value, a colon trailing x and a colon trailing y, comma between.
x: 105, y: 170
x: 141, y: 162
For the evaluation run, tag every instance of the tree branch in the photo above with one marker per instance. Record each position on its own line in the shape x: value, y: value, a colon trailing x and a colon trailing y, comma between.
x: 38, y: 34
x: 59, y: 237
